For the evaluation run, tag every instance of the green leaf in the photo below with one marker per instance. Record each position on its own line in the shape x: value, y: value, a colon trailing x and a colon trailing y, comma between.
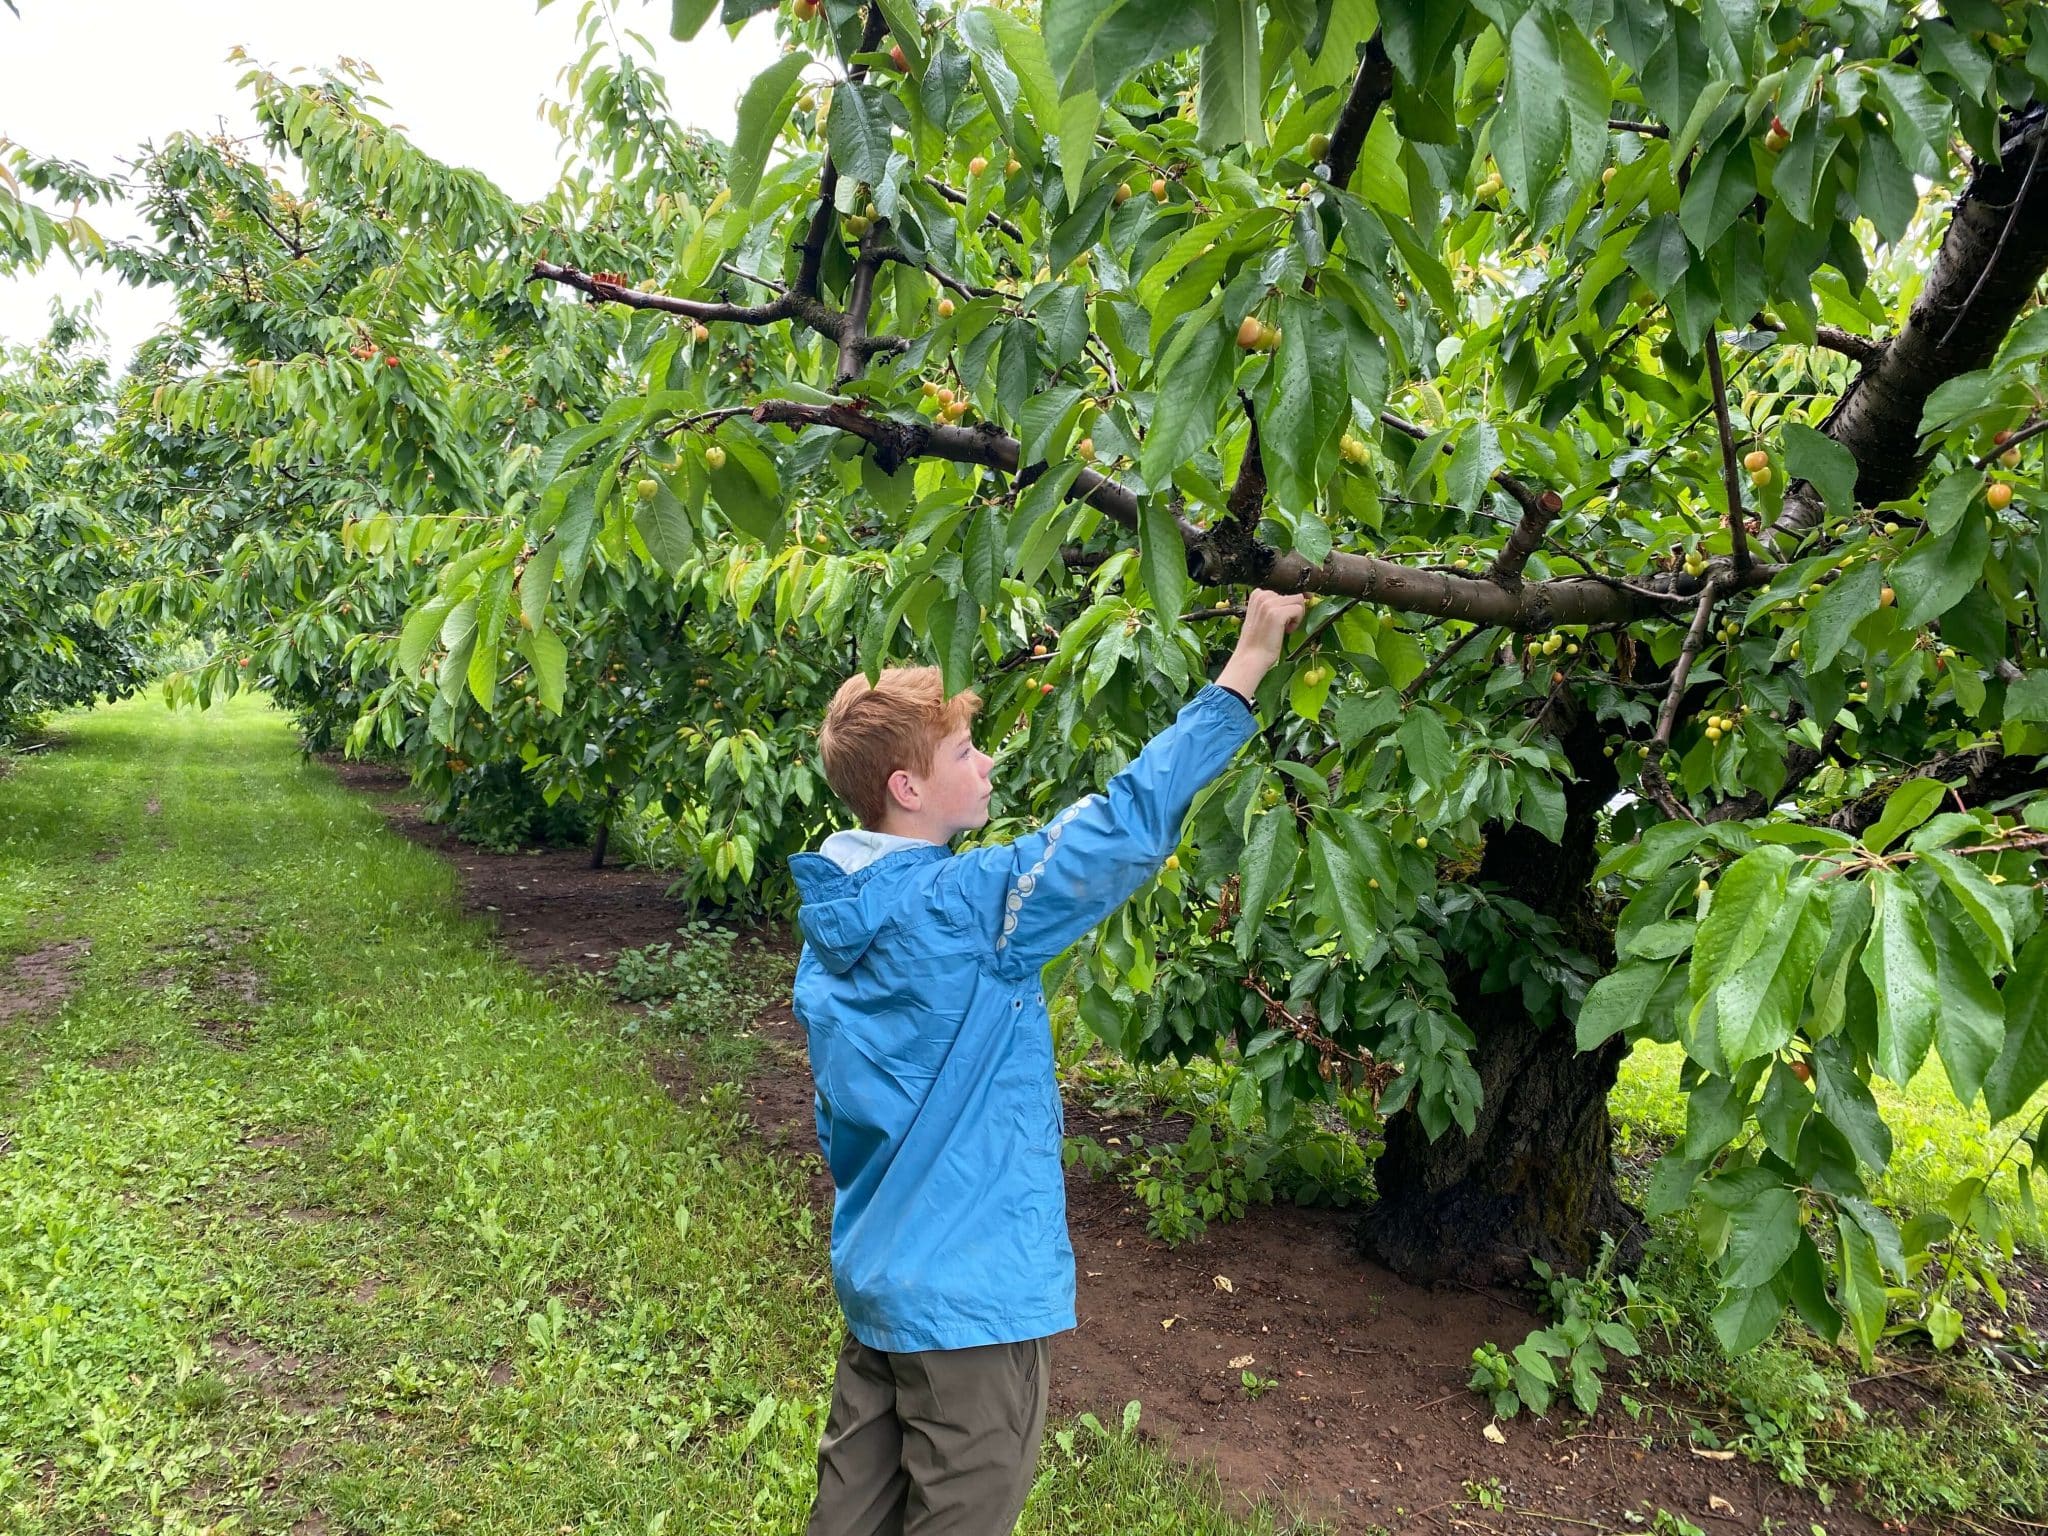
x: 906, y: 31
x: 1618, y: 1001
x: 1228, y: 98
x: 747, y: 489
x: 550, y: 658
x: 2027, y: 698
x: 1162, y: 558
x: 1846, y: 1103
x: 1746, y: 902
x: 1342, y: 890
x: 1306, y: 401
x: 1745, y: 1318
x: 1532, y: 129
x: 1110, y: 42
x: 1900, y: 962
x: 1758, y: 1006
x: 1884, y: 187
x: 1722, y: 185
x: 1659, y: 254
x: 1846, y: 603
x: 2022, y: 1065
x: 1939, y: 572
x: 1904, y: 809
x: 1810, y: 1290
x: 1859, y: 1285
x: 1269, y: 860
x: 1472, y: 465
x: 422, y: 628
x: 1761, y: 1237
x: 1816, y: 457
x: 1588, y: 96
x: 1426, y: 747
x: 687, y: 17
x: 1671, y: 1183
x: 1978, y: 898
x: 665, y: 529
x: 1948, y: 501
x: 1024, y: 51
x: 1079, y: 116
x: 1307, y: 698
x: 858, y: 131
x: 1969, y: 1028
x: 1193, y: 377
x: 764, y: 113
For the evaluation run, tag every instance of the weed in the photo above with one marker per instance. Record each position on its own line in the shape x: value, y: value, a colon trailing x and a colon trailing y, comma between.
x: 693, y: 986
x: 1591, y: 1314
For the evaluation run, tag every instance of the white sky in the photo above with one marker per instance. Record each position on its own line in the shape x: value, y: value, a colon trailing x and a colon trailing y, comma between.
x: 90, y: 80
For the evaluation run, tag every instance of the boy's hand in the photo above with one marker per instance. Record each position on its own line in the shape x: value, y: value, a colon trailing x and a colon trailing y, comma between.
x: 1268, y: 617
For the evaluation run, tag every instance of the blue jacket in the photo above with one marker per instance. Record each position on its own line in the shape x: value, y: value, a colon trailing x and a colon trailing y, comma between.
x: 938, y: 1111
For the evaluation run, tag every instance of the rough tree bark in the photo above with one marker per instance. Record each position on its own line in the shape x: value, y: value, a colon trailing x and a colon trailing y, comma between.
x: 1536, y: 1175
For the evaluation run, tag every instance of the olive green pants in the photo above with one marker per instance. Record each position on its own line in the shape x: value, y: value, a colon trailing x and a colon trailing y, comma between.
x: 943, y: 1442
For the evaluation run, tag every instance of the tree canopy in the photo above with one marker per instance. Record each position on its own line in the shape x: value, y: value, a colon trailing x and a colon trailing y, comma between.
x: 1651, y: 396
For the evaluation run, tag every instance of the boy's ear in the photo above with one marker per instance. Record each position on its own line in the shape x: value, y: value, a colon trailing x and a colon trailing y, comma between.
x: 903, y: 792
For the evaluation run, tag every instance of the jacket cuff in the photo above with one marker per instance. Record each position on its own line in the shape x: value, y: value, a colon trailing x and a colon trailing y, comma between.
x: 1247, y: 703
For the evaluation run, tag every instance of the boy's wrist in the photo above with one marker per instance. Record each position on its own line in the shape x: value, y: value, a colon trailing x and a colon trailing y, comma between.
x: 1243, y: 673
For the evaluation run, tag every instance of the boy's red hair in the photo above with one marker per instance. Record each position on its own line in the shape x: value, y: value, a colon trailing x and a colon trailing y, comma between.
x: 897, y: 722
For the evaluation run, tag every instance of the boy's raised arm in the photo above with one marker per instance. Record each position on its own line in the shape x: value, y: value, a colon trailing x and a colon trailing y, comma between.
x: 1059, y: 882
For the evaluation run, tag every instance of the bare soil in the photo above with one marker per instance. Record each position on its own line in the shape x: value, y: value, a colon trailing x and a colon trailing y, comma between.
x: 40, y: 981
x: 1367, y: 1422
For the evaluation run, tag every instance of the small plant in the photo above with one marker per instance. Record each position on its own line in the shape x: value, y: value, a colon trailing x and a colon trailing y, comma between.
x: 692, y: 986
x: 1490, y: 1494
x: 1215, y: 1174
x: 1592, y: 1313
x: 200, y: 1394
x: 1256, y: 1386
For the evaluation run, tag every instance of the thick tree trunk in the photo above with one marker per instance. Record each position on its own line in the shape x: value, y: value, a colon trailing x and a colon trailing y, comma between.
x: 1536, y: 1176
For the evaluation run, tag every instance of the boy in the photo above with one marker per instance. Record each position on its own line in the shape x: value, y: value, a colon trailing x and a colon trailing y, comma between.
x: 937, y: 1107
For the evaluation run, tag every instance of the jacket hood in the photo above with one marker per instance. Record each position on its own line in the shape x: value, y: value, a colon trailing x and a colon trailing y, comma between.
x: 845, y: 902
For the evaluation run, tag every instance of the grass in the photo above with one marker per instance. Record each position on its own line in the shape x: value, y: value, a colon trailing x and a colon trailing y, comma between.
x: 1961, y: 1436
x: 1936, y: 1139
x: 316, y: 1216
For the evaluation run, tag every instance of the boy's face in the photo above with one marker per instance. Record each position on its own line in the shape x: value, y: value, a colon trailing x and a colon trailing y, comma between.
x: 953, y: 797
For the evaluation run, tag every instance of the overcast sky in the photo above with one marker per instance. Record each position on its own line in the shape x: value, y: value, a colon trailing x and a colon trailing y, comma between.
x: 91, y: 80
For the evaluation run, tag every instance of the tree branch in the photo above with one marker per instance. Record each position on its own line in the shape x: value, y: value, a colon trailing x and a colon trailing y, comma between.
x: 1861, y: 349
x: 1992, y: 257
x: 704, y: 310
x: 853, y: 326
x: 1441, y: 660
x: 1729, y: 469
x: 1249, y: 494
x: 959, y: 199
x: 1227, y: 557
x: 1537, y: 511
x: 2027, y: 433
x: 805, y: 309
x: 1372, y: 86
x: 1988, y: 776
x: 1667, y: 716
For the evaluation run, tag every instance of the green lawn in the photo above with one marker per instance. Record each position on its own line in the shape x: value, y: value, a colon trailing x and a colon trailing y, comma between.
x: 317, y: 1216
x: 1936, y: 1140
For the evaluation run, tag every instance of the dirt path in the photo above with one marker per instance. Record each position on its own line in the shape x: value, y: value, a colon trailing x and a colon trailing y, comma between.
x: 1368, y: 1423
